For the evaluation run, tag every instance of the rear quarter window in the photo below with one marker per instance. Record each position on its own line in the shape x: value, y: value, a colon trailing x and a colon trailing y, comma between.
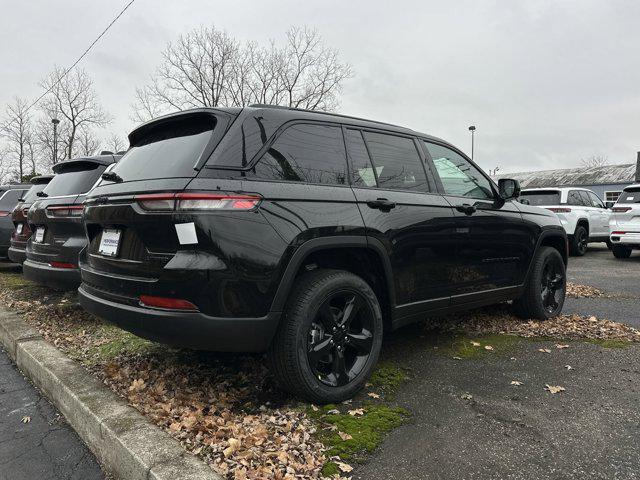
x: 629, y: 196
x: 10, y: 198
x: 32, y: 195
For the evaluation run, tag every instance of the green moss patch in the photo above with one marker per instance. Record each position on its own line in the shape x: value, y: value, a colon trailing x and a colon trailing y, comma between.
x: 388, y: 376
x: 351, y: 437
x: 466, y: 347
x: 609, y: 343
x: 14, y: 281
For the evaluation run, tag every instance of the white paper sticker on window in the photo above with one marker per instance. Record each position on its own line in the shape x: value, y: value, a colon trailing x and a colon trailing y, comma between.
x: 186, y: 233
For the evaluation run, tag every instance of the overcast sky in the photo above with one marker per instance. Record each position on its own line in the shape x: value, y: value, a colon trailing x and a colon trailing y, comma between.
x: 545, y: 82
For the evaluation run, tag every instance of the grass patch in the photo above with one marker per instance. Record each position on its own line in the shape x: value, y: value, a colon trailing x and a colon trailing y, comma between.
x: 465, y: 346
x: 366, y: 431
x: 609, y: 343
x: 115, y: 342
x: 14, y: 281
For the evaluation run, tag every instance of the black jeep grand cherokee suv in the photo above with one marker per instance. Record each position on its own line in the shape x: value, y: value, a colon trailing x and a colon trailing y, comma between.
x: 305, y: 234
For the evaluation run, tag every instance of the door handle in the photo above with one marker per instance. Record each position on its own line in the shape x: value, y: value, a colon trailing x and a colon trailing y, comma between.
x: 466, y: 209
x: 381, y: 204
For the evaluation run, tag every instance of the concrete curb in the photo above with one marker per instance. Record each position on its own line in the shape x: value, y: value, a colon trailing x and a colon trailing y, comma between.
x: 127, y: 444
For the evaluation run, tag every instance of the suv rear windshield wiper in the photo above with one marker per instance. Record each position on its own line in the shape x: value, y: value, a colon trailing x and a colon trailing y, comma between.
x: 112, y: 177
x: 42, y: 194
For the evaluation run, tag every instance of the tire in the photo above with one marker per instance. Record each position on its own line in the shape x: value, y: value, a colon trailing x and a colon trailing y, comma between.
x: 580, y: 241
x: 620, y: 251
x: 307, y: 352
x: 609, y: 244
x: 547, y: 279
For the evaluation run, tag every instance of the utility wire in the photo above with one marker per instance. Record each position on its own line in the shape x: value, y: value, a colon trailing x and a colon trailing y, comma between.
x: 81, y: 56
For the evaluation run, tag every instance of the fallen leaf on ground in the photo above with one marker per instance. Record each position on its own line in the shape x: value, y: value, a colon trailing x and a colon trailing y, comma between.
x: 26, y: 419
x: 457, y: 358
x: 466, y: 396
x: 568, y: 367
x: 356, y: 412
x: 488, y: 347
x: 554, y: 388
x: 234, y: 445
x: 314, y: 408
x: 373, y: 395
x: 516, y: 383
x: 137, y: 385
x: 333, y: 411
x: 561, y: 345
x: 544, y: 350
x: 475, y: 344
x: 345, y: 436
x: 345, y: 468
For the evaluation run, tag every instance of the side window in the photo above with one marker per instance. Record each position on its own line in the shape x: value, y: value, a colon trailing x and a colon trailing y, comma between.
x: 459, y: 177
x: 595, y: 201
x: 586, y: 201
x: 574, y: 198
x: 306, y: 153
x: 10, y: 199
x: 396, y: 162
x: 362, y: 174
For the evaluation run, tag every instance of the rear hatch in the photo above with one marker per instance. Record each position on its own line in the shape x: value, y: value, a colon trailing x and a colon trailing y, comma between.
x: 540, y: 198
x: 56, y: 217
x: 22, y: 231
x: 626, y: 211
x: 130, y: 219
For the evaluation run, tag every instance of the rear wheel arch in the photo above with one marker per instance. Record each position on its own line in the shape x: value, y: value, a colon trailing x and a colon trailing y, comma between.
x: 362, y: 256
x: 583, y: 222
x: 558, y: 242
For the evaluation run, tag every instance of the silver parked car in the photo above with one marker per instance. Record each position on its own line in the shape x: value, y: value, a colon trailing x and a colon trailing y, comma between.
x: 625, y: 222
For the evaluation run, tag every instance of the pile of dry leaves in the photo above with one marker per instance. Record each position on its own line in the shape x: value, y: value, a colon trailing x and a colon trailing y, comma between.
x: 575, y: 290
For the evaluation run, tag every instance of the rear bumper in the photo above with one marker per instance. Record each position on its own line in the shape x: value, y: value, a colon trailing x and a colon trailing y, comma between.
x: 630, y: 239
x: 17, y: 255
x: 56, y: 278
x: 183, y: 329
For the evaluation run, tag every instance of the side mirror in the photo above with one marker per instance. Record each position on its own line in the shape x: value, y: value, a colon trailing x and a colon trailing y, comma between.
x: 508, y: 188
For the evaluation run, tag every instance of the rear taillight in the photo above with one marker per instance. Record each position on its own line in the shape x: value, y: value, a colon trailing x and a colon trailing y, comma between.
x: 620, y: 209
x: 618, y: 233
x: 166, y: 302
x: 62, y: 265
x: 167, y: 202
x: 4, y: 213
x: 559, y: 209
x: 65, y: 210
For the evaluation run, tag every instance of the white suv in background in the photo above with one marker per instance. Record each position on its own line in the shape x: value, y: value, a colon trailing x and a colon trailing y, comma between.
x: 625, y: 222
x: 583, y: 215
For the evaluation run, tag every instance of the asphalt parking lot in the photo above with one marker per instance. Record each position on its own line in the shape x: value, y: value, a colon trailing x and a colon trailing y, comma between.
x: 469, y: 421
x: 618, y: 278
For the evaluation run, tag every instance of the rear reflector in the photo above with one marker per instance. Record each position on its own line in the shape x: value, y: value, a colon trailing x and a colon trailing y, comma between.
x: 559, y: 209
x: 65, y: 210
x: 618, y: 233
x: 196, y: 201
x: 4, y: 213
x: 620, y: 209
x: 62, y: 265
x: 165, y: 302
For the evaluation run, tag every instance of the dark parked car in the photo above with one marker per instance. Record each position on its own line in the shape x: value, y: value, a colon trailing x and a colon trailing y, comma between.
x: 22, y: 232
x: 305, y: 234
x: 56, y: 222
x: 9, y: 197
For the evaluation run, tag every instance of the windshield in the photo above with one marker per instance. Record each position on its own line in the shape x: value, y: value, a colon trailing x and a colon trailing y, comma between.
x: 541, y: 197
x: 168, y: 150
x: 630, y: 195
x: 74, y: 180
x: 31, y: 196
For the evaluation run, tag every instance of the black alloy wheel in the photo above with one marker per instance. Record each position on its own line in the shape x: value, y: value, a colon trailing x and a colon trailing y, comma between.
x: 340, y: 339
x: 552, y: 287
x: 580, y: 241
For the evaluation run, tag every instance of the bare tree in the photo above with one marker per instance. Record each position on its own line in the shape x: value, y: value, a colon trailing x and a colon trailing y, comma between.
x: 74, y: 100
x: 594, y: 161
x: 207, y: 67
x: 115, y: 143
x: 17, y: 131
x: 86, y: 143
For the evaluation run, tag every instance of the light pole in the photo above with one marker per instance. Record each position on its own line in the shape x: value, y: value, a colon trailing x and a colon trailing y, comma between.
x: 55, y: 122
x: 472, y: 129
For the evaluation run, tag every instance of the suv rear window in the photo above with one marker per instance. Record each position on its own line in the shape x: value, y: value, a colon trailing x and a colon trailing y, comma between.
x: 631, y: 195
x: 9, y: 199
x: 168, y: 150
x: 31, y: 196
x: 74, y: 180
x: 542, y: 197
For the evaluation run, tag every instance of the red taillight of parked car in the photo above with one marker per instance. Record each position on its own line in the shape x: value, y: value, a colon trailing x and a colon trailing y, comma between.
x: 4, y: 213
x: 62, y: 265
x: 65, y: 210
x: 620, y: 209
x: 167, y: 202
x: 559, y: 209
x: 618, y: 233
x: 167, y: 303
